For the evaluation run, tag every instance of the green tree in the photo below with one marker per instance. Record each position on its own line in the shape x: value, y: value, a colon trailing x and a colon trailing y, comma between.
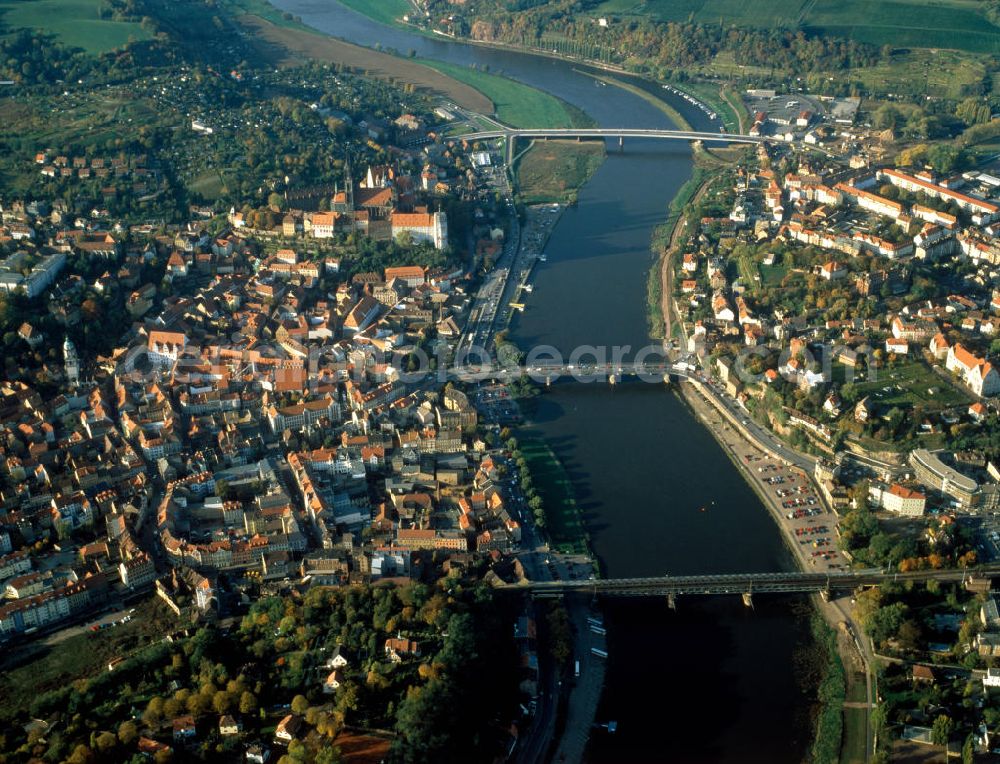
x: 248, y: 703
x: 945, y: 157
x: 969, y: 750
x: 941, y: 730
x: 885, y: 622
x: 154, y: 711
x: 299, y: 704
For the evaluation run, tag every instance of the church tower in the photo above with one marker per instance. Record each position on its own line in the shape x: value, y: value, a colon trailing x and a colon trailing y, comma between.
x: 72, y: 363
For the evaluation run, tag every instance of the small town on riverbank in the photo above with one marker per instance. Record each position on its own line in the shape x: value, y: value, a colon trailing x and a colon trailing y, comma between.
x: 272, y: 485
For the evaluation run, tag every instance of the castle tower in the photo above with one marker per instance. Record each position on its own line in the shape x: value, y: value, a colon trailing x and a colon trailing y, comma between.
x: 72, y: 363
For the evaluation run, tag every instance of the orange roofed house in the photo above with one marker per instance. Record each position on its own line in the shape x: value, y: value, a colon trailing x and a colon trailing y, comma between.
x: 978, y: 373
x: 397, y: 649
x: 165, y: 347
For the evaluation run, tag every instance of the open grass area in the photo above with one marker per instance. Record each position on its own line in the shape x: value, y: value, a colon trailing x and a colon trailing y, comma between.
x: 956, y: 24
x: 387, y: 12
x: 749, y: 273
x: 209, y: 184
x: 565, y: 525
x: 910, y: 383
x: 772, y: 276
x: 959, y: 24
x: 76, y: 23
x: 264, y: 10
x: 771, y: 13
x: 516, y: 104
x: 852, y: 750
x: 553, y: 171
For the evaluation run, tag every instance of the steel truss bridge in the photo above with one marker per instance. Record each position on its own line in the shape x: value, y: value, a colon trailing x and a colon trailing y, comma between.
x: 741, y: 583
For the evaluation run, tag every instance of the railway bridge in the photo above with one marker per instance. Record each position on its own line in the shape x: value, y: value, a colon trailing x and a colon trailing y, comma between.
x: 745, y: 584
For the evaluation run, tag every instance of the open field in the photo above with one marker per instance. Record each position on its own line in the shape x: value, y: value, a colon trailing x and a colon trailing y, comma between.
x: 772, y: 276
x: 772, y: 13
x: 290, y: 45
x: 911, y: 383
x: 552, y: 171
x: 75, y: 23
x: 384, y: 11
x: 853, y: 749
x: 209, y: 184
x: 958, y: 24
x: 565, y: 526
x: 516, y: 104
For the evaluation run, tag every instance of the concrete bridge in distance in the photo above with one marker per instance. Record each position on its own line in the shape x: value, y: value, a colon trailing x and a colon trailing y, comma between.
x: 745, y: 584
x: 587, y: 372
x: 621, y: 133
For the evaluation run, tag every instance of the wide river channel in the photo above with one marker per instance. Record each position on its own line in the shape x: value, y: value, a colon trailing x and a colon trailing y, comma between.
x: 712, y: 681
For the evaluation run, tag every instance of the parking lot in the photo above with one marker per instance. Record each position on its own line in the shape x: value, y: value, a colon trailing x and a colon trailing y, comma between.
x: 811, y: 526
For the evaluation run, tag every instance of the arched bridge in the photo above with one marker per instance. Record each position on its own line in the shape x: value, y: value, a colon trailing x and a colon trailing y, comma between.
x: 585, y: 372
x: 621, y: 133
x: 739, y: 583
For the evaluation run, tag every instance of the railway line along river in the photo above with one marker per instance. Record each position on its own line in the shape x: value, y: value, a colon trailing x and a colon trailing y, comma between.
x: 713, y: 681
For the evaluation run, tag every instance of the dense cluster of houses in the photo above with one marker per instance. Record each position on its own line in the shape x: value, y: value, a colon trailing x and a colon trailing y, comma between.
x: 853, y: 236
x: 257, y: 415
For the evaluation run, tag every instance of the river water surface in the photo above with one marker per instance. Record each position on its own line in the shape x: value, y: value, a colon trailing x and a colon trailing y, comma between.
x: 713, y: 681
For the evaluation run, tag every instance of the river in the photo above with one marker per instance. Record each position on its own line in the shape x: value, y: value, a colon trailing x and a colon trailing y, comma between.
x: 713, y: 681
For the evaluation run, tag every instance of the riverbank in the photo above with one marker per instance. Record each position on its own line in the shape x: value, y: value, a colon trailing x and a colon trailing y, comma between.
x: 515, y: 103
x: 745, y: 453
x: 286, y: 46
x: 660, y: 307
x: 564, y: 525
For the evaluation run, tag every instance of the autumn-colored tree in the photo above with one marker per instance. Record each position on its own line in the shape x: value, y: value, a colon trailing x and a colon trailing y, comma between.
x: 248, y: 703
x: 299, y: 704
x: 105, y: 742
x: 128, y: 731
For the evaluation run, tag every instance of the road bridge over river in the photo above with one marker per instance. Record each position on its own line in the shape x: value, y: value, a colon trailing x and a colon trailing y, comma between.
x: 583, y: 372
x: 511, y: 135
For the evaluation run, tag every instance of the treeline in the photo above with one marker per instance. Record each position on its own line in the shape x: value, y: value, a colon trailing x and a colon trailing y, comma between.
x: 682, y: 45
